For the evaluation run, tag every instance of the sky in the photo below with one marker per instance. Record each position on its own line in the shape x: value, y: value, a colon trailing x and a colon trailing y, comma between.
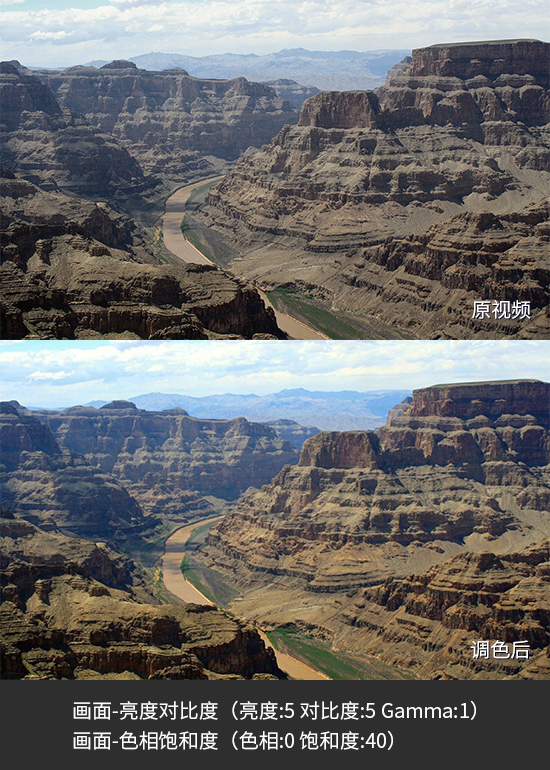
x: 59, y: 33
x: 61, y: 374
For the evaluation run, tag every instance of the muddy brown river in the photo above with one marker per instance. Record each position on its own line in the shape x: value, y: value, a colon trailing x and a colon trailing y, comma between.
x: 174, y: 550
x: 174, y: 210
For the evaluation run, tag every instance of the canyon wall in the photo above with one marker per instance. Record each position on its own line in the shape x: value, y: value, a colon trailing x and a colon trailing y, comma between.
x: 158, y: 465
x: 74, y: 269
x: 169, y: 121
x: 410, y: 203
x: 450, y: 498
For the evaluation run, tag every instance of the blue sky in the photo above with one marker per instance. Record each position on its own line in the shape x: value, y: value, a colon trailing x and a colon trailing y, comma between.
x: 60, y: 32
x: 54, y: 374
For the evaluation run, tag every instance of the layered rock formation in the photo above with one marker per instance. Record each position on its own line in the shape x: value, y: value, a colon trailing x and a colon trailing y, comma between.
x: 58, y: 149
x: 55, y: 488
x: 459, y: 471
x: 168, y: 461
x: 70, y: 611
x: 410, y: 203
x: 169, y: 121
x: 430, y: 622
x: 72, y: 269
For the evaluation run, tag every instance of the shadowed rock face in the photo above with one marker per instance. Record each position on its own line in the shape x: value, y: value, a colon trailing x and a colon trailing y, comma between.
x: 459, y: 472
x: 70, y: 610
x: 409, y: 203
x: 54, y: 488
x: 168, y: 120
x: 73, y: 269
x: 58, y: 149
x: 166, y: 460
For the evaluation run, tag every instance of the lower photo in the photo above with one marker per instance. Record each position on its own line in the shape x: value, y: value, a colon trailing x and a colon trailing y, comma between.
x: 315, y: 510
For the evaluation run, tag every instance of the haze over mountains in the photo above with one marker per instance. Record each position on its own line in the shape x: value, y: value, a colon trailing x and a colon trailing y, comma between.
x: 326, y: 70
x: 325, y: 410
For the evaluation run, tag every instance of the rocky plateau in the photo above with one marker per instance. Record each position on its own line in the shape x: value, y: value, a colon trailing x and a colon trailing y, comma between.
x: 408, y: 204
x: 410, y: 543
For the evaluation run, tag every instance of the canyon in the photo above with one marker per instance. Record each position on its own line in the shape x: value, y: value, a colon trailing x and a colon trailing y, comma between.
x: 119, y: 472
x: 75, y: 264
x: 83, y: 491
x: 410, y: 543
x: 78, y: 269
x: 408, y: 204
x: 401, y: 547
x: 396, y: 212
x: 171, y: 123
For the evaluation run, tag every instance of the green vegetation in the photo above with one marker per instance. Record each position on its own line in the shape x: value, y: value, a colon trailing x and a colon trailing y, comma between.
x: 300, y: 307
x: 189, y: 574
x: 200, y: 192
x: 336, y: 324
x: 335, y: 664
x: 159, y: 590
x: 207, y: 581
x: 190, y: 235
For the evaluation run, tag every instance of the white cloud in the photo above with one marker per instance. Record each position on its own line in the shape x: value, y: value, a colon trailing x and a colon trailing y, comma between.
x: 81, y: 372
x: 59, y: 35
x: 261, y: 26
x: 38, y: 376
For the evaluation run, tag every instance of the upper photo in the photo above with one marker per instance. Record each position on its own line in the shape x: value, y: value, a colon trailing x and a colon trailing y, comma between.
x: 204, y: 169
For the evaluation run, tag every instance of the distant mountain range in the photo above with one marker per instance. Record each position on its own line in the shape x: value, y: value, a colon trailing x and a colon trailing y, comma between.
x: 326, y: 410
x: 327, y: 70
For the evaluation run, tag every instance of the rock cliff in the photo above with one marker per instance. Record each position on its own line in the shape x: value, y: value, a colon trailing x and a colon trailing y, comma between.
x: 440, y: 515
x: 58, y: 149
x: 70, y: 611
x: 169, y: 121
x: 73, y: 269
x: 56, y: 489
x: 410, y: 203
x: 168, y: 461
x: 437, y: 615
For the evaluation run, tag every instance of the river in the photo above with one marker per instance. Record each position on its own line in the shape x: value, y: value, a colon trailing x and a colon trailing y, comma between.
x: 174, y: 211
x: 174, y: 550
